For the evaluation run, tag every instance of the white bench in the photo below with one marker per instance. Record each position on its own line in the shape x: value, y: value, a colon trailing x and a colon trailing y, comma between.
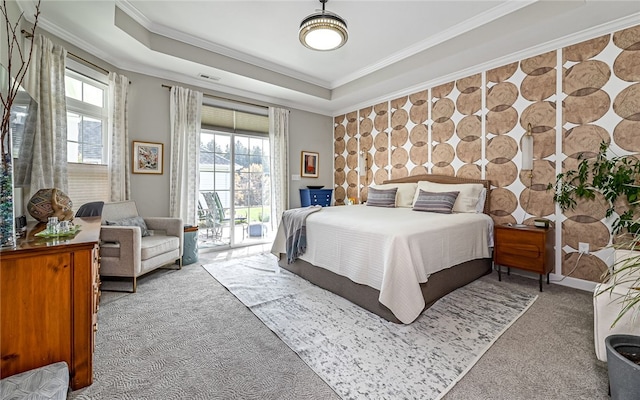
x: 607, y: 305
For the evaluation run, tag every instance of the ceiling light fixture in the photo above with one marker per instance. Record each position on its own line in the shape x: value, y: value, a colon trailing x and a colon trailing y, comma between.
x: 323, y: 30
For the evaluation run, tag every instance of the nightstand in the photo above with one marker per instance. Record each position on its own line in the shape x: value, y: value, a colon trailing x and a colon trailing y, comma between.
x: 312, y: 197
x: 524, y: 247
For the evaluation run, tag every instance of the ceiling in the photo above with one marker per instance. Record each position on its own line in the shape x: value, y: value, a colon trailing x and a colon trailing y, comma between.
x: 251, y: 48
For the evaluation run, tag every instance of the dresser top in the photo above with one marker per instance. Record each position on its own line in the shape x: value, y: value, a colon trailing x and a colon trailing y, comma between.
x: 88, y: 233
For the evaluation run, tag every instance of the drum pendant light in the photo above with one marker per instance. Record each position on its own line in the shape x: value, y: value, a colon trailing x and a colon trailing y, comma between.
x: 323, y: 30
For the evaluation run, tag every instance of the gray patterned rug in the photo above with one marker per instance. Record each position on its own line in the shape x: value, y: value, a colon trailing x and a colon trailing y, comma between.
x: 362, y: 356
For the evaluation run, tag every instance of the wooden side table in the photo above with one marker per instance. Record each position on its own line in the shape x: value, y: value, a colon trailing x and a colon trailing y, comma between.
x: 525, y: 247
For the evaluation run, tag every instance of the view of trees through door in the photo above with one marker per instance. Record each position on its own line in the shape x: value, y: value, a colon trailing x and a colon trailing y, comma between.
x: 235, y: 189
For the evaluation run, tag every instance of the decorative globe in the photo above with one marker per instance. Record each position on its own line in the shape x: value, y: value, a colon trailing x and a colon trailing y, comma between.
x: 50, y: 203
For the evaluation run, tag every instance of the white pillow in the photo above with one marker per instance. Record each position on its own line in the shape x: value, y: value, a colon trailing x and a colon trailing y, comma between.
x: 481, y: 200
x: 467, y: 199
x: 404, y: 195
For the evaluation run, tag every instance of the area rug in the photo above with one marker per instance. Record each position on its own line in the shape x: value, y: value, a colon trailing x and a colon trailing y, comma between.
x: 357, y: 353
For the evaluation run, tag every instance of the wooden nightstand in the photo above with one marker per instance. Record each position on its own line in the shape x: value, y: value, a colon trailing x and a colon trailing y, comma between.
x: 528, y: 248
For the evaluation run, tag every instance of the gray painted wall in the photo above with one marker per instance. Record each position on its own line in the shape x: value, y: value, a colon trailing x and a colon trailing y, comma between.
x: 308, y: 132
x: 149, y: 122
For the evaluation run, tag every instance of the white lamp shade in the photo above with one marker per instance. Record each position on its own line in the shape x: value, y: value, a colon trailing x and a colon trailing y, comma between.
x: 323, y: 39
x: 527, y: 152
x: 362, y: 168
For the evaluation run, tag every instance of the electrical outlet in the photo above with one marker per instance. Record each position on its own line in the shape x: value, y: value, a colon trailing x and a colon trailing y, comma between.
x: 583, y: 248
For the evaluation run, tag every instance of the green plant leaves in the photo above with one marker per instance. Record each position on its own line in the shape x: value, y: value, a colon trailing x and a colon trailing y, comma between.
x: 611, y: 176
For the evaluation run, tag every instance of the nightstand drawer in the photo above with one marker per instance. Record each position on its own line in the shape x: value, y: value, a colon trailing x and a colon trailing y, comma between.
x: 522, y: 256
x: 521, y: 249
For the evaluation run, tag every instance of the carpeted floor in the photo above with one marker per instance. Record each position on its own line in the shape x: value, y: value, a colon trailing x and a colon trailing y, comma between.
x: 362, y: 356
x: 184, y: 336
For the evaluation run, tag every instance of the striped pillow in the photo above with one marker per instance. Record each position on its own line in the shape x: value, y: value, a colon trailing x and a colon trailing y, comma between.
x: 441, y: 202
x: 382, y: 197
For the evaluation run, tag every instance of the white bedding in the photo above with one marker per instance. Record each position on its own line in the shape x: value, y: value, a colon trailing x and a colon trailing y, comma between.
x: 392, y: 250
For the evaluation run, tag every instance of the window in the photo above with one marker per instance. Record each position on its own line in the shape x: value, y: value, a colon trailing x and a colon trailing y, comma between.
x: 86, y: 119
x: 87, y: 138
x: 87, y: 123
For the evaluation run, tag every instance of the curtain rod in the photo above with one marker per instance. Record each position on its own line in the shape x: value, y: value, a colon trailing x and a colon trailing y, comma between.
x: 224, y: 98
x: 77, y: 57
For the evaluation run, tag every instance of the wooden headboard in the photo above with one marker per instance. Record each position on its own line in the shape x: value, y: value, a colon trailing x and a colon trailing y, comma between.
x: 447, y: 179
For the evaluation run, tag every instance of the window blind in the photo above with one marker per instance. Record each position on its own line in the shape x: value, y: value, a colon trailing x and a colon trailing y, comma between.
x: 87, y: 182
x: 234, y: 121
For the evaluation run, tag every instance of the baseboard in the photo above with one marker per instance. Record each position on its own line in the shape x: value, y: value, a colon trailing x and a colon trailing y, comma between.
x: 573, y: 282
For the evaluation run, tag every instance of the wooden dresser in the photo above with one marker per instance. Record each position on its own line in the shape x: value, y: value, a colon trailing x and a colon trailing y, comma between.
x: 50, y: 289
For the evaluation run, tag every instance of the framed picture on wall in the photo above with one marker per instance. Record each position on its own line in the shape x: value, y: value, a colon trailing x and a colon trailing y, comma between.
x: 147, y: 158
x: 309, y: 164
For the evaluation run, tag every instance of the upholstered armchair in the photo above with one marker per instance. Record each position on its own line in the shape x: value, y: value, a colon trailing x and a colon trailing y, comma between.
x: 131, y: 246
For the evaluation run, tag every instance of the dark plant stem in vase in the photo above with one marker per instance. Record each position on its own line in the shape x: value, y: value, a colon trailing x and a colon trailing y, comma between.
x: 10, y: 86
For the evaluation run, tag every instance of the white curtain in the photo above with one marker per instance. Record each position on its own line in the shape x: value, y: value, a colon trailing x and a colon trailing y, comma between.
x: 43, y: 152
x: 279, y: 146
x: 185, y: 109
x: 119, y: 165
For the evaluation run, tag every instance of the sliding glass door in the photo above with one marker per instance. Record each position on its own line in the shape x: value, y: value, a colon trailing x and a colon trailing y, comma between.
x: 235, y: 189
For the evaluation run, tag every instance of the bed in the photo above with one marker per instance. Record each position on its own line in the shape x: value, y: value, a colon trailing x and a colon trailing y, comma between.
x: 396, y: 262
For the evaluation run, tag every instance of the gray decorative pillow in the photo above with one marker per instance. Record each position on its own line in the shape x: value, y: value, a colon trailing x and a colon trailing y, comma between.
x: 132, y: 221
x: 382, y: 197
x: 441, y: 202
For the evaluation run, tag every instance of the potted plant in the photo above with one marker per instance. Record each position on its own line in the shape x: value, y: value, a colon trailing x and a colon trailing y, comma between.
x: 617, y: 178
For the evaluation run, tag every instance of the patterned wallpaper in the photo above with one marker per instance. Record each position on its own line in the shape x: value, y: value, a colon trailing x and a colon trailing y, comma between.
x: 473, y: 127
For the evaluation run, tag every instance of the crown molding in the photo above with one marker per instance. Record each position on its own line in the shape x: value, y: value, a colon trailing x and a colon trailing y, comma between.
x: 159, y: 29
x: 434, y: 40
x: 215, y: 88
x: 557, y: 44
x: 50, y: 27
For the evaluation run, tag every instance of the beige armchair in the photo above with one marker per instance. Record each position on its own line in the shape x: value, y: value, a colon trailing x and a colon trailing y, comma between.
x: 126, y: 251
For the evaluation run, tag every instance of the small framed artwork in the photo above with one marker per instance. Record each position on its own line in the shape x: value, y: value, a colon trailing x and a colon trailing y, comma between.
x: 147, y: 158
x: 309, y: 164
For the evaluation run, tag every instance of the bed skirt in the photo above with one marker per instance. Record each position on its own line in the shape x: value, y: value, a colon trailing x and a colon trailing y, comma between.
x: 438, y: 285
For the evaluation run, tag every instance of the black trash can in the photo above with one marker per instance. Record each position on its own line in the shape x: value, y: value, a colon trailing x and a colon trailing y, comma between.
x: 190, y: 245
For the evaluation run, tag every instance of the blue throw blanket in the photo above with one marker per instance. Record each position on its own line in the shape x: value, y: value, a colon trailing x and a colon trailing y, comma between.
x: 295, y: 230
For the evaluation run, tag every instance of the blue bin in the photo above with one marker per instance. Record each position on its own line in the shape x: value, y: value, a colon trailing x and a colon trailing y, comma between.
x: 190, y: 245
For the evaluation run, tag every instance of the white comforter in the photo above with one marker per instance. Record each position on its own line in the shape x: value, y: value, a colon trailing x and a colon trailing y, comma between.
x: 392, y: 250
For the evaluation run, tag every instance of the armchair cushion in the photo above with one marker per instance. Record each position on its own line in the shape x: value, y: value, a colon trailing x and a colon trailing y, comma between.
x: 158, y: 244
x: 131, y: 221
